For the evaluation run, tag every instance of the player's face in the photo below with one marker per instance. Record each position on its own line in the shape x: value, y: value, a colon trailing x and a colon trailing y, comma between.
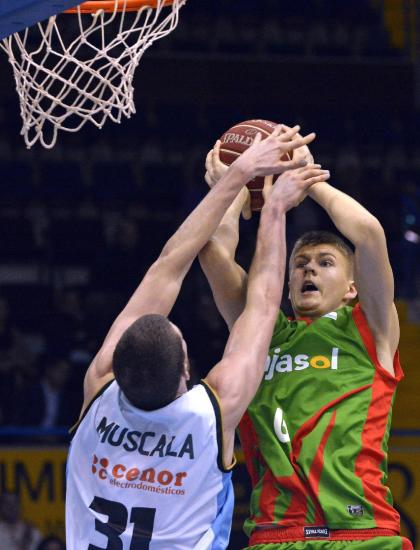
x: 320, y: 281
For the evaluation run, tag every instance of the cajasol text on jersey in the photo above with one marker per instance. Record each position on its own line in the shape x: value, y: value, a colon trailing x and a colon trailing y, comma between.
x: 288, y: 363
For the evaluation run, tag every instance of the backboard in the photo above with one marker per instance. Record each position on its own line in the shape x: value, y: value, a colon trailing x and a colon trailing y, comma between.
x: 16, y: 15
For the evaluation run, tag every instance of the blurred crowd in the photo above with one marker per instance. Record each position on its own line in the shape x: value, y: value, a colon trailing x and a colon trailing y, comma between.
x: 81, y: 223
x: 16, y: 533
x: 303, y: 28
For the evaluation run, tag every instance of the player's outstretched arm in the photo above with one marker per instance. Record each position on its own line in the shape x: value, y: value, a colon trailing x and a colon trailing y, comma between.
x: 227, y: 279
x: 373, y: 273
x: 160, y: 287
x: 237, y: 377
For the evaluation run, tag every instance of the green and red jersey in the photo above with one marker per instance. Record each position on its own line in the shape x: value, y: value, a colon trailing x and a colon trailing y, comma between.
x: 315, y: 436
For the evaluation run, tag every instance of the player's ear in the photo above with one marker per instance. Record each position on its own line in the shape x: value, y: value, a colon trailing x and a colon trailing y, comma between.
x: 351, y: 292
x: 186, y: 368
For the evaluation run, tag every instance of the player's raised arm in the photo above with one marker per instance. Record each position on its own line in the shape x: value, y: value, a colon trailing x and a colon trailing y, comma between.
x: 159, y: 288
x: 226, y: 277
x: 373, y: 273
x: 237, y: 377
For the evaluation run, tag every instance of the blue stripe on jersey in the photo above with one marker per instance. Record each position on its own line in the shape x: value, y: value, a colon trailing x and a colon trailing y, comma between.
x: 223, y: 522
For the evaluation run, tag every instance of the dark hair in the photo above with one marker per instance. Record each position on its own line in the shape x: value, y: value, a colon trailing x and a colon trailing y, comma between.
x: 148, y: 362
x: 314, y: 238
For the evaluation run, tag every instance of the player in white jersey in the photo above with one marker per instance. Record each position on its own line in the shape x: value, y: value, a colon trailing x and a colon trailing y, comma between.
x: 149, y: 465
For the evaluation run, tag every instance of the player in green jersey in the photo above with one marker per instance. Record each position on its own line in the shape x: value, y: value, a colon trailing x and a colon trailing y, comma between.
x: 315, y: 436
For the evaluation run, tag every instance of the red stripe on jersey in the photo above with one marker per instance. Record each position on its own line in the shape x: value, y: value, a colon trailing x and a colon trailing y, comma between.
x: 307, y: 320
x: 310, y: 424
x: 369, y: 342
x: 249, y: 441
x: 307, y: 428
x: 268, y: 496
x: 295, y: 534
x: 406, y: 544
x: 368, y: 462
x: 298, y: 507
x: 318, y: 464
x: 271, y: 485
x: 252, y: 454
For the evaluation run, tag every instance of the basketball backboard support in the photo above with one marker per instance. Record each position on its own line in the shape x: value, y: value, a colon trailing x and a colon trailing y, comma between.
x: 16, y: 15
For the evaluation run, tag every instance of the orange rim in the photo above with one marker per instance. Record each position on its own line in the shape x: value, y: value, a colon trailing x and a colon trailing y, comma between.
x: 109, y: 5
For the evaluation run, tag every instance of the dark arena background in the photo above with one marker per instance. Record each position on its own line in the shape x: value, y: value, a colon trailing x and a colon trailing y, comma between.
x: 80, y: 223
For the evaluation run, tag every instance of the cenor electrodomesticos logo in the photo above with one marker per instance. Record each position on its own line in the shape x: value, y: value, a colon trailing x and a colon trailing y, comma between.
x: 149, y: 479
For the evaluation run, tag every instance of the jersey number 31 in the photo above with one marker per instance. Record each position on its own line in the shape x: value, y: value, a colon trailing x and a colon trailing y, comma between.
x: 143, y: 519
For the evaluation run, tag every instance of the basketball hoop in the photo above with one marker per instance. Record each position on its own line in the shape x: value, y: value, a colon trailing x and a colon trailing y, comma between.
x: 67, y: 76
x: 119, y: 5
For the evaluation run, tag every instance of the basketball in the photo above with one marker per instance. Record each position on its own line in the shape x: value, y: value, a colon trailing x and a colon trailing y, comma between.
x: 236, y: 140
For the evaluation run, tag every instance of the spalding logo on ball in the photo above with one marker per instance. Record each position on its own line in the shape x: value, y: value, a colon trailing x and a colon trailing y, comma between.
x: 237, y: 140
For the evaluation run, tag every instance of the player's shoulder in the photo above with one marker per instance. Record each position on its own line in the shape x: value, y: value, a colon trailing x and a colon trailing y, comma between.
x: 109, y: 385
x: 283, y: 320
x: 283, y: 325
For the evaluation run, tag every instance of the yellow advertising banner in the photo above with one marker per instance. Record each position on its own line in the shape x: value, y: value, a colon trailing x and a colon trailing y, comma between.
x: 38, y: 476
x: 404, y: 480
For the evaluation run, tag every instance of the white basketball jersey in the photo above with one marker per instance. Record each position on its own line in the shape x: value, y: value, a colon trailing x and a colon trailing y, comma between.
x: 149, y: 480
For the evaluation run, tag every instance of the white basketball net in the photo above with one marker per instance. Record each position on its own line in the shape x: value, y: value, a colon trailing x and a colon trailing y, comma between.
x: 83, y: 72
